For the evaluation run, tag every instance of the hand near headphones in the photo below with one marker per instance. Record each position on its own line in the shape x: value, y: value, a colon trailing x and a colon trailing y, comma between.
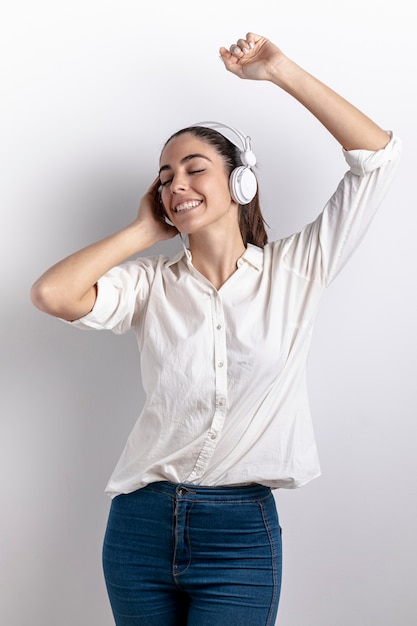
x: 254, y: 57
x: 152, y: 214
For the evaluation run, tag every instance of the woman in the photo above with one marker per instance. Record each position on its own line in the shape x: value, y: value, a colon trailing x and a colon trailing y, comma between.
x: 223, y: 328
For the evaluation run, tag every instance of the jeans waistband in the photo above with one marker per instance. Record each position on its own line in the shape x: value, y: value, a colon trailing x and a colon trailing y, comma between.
x: 253, y: 491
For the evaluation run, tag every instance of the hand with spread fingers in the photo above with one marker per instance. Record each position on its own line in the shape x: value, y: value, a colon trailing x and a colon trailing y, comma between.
x: 254, y: 57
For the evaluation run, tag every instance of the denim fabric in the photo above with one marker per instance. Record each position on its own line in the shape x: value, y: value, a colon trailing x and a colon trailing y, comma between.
x: 180, y: 555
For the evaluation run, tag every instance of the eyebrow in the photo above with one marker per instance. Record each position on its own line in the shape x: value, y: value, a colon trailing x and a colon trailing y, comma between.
x: 195, y: 155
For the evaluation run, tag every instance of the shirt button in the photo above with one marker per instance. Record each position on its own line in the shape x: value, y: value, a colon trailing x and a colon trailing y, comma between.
x: 219, y: 326
x: 220, y: 364
x: 213, y: 436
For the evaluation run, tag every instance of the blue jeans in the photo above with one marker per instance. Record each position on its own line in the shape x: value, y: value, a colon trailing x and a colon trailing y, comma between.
x: 180, y: 555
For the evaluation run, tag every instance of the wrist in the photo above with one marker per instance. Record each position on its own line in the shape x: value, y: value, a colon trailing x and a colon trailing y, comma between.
x: 139, y: 235
x: 285, y: 73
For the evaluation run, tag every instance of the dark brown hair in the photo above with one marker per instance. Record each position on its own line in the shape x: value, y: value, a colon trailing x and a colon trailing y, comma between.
x: 251, y: 221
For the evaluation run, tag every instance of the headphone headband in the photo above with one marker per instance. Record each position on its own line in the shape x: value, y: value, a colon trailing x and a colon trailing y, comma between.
x: 247, y: 156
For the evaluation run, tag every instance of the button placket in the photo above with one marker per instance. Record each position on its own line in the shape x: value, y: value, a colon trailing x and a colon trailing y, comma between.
x: 220, y: 391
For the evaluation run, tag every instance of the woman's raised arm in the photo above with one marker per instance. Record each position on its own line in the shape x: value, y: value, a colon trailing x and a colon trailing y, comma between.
x: 255, y: 57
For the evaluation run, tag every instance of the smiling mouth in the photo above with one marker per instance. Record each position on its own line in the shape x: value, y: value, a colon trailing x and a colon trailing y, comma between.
x: 186, y: 206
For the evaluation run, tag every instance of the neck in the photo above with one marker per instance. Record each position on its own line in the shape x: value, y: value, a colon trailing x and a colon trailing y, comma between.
x: 216, y: 258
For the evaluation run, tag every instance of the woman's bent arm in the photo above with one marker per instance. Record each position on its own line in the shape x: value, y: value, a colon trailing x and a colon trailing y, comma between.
x: 68, y: 289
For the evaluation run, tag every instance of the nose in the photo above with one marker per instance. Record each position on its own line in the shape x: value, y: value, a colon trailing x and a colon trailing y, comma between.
x: 178, y: 183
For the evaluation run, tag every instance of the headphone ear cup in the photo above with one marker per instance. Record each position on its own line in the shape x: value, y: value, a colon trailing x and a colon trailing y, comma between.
x: 243, y: 185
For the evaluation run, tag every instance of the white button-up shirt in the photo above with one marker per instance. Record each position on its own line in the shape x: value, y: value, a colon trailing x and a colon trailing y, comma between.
x: 224, y: 371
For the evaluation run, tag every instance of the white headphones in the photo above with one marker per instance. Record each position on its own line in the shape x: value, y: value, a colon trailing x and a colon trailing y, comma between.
x: 242, y: 182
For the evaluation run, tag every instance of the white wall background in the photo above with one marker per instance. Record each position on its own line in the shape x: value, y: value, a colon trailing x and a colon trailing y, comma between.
x: 90, y: 90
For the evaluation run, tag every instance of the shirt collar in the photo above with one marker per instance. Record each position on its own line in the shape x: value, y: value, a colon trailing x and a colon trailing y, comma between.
x: 252, y: 255
x: 177, y: 257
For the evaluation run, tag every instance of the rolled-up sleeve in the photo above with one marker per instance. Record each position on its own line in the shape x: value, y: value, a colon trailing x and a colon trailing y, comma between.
x: 120, y: 293
x: 323, y: 247
x: 362, y: 162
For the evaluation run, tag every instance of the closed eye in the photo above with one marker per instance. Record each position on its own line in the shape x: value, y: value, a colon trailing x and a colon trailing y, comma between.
x: 169, y: 181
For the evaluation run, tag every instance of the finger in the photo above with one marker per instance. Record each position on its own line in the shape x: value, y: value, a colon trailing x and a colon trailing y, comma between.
x: 235, y: 51
x: 230, y: 61
x: 245, y: 45
x: 241, y: 48
x: 224, y: 53
x: 252, y: 38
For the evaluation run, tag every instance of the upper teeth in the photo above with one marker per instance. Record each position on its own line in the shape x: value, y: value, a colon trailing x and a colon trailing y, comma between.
x: 187, y: 205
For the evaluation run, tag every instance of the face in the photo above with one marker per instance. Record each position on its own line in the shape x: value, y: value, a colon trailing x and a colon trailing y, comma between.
x: 195, y: 186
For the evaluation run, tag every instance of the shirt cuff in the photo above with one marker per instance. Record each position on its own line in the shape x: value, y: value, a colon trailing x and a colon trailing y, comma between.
x: 105, y: 303
x: 362, y: 162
